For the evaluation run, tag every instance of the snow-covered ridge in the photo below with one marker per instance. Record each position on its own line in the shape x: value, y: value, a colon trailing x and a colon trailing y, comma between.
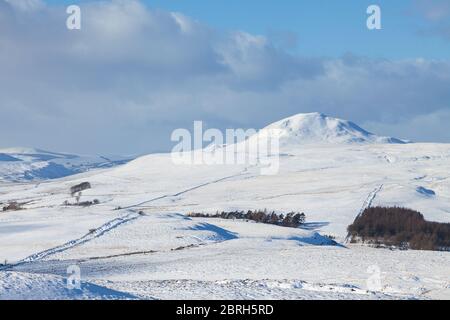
x: 313, y: 128
x: 25, y: 164
x: 22, y: 164
x: 30, y: 151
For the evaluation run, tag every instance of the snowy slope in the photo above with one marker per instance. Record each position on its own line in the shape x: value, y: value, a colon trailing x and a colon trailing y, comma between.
x: 26, y: 164
x: 18, y: 285
x: 161, y: 253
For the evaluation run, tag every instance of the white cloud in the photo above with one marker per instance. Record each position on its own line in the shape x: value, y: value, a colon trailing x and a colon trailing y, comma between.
x: 131, y: 75
x: 430, y: 127
x: 26, y: 5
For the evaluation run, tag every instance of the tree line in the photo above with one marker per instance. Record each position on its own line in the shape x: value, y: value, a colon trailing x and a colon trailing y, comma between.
x: 291, y: 219
x: 399, y: 227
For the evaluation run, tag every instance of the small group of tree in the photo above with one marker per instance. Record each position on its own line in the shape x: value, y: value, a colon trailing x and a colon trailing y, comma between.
x: 12, y: 206
x: 76, y: 192
x: 79, y: 187
x: 82, y: 203
x: 399, y: 227
x: 291, y: 219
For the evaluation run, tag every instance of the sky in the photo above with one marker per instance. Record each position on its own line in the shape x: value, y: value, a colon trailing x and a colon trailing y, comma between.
x: 321, y: 27
x: 137, y: 70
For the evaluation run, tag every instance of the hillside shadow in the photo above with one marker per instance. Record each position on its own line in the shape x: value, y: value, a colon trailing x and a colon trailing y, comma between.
x: 220, y: 232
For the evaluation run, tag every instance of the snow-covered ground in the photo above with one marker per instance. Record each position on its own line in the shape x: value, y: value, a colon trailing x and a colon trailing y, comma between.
x: 18, y: 285
x: 161, y: 253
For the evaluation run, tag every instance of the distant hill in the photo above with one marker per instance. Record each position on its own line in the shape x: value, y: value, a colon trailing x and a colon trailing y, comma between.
x: 27, y: 164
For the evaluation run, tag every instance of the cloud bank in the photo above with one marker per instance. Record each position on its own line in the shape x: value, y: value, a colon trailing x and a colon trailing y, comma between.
x: 133, y: 74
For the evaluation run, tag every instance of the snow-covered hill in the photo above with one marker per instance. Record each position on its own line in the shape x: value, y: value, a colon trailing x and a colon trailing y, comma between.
x: 317, y: 128
x: 27, y: 164
x: 138, y: 239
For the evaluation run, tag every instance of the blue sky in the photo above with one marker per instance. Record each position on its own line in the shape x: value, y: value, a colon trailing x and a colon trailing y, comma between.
x: 322, y: 27
x: 137, y: 70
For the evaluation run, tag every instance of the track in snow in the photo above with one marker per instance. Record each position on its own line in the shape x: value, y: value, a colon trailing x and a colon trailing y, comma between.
x: 185, y: 191
x: 369, y: 200
x: 108, y: 226
x: 367, y: 204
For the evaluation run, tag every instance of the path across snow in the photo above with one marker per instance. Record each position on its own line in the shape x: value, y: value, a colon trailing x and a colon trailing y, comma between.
x: 367, y: 203
x: 100, y: 231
